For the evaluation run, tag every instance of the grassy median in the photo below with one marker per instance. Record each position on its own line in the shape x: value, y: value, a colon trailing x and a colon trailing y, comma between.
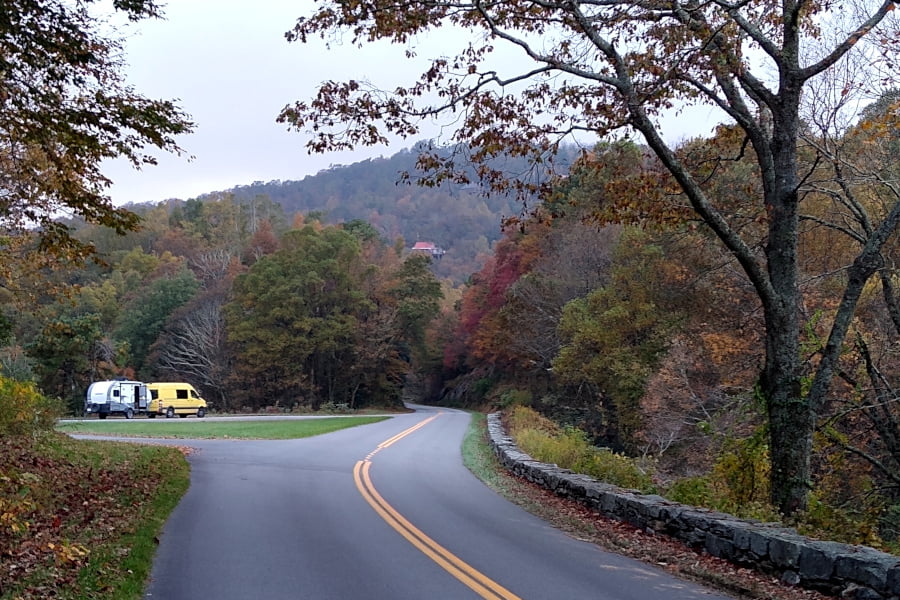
x: 200, y: 429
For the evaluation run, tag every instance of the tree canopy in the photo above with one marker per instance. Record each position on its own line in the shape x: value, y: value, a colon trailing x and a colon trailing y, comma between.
x: 64, y: 109
x: 604, y: 67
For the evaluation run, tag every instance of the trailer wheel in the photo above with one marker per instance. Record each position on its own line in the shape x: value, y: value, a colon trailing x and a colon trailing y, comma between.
x: 129, y: 414
x: 201, y: 412
x: 170, y: 412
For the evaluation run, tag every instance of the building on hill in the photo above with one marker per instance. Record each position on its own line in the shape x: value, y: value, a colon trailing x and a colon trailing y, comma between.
x: 436, y: 252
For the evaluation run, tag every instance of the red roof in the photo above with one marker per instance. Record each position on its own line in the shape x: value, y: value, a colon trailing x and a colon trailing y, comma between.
x: 423, y: 246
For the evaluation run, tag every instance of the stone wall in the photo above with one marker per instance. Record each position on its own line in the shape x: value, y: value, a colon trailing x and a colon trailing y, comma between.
x: 840, y: 569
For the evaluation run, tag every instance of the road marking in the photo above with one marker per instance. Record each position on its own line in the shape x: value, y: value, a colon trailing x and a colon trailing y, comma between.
x: 401, y: 435
x: 475, y: 580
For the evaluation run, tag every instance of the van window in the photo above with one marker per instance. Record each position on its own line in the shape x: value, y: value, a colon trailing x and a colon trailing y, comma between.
x: 194, y: 394
x: 181, y: 394
x: 115, y: 393
x: 154, y: 394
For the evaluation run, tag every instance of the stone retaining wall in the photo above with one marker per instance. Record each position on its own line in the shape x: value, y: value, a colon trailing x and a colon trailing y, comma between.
x: 840, y: 569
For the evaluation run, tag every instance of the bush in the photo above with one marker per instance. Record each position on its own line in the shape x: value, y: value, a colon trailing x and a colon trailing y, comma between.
x: 569, y: 448
x: 514, y: 397
x: 840, y: 524
x: 523, y: 418
x: 24, y: 410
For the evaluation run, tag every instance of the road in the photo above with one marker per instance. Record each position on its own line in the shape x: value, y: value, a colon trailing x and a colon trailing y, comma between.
x: 380, y: 512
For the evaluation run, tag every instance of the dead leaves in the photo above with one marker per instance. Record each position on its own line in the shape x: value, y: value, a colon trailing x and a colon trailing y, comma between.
x: 55, y: 511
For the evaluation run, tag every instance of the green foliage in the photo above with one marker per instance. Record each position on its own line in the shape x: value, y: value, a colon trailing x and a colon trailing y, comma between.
x: 146, y: 314
x: 418, y: 294
x: 614, y: 337
x: 294, y: 320
x: 483, y: 386
x: 513, y: 397
x: 569, y: 448
x: 847, y: 524
x: 738, y: 483
x: 65, y: 355
x: 24, y: 410
x: 695, y: 491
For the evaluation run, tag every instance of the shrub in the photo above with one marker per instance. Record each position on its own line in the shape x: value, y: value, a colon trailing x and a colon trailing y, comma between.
x: 513, y: 397
x: 24, y: 410
x: 844, y: 524
x: 569, y: 448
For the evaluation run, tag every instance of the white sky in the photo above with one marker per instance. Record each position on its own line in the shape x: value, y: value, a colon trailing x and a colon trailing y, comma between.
x: 228, y: 64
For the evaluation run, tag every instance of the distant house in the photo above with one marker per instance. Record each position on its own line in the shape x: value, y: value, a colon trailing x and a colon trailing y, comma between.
x: 436, y: 252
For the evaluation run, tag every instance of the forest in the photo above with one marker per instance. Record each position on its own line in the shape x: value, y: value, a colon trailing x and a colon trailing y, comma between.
x: 599, y: 308
x: 722, y: 309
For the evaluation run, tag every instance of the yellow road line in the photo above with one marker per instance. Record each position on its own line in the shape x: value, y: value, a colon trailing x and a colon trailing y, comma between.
x: 475, y: 580
x: 390, y: 441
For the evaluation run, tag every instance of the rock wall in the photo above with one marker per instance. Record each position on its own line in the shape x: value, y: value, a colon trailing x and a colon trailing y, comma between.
x: 848, y: 571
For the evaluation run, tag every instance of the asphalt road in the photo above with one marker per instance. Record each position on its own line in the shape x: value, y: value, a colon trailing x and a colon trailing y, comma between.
x: 380, y: 512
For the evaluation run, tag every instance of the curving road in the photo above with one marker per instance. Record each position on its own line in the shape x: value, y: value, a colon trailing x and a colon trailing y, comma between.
x: 380, y: 512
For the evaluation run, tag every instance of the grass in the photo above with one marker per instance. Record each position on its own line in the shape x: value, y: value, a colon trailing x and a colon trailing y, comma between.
x: 198, y: 429
x: 92, y: 511
x: 81, y: 518
x: 586, y: 525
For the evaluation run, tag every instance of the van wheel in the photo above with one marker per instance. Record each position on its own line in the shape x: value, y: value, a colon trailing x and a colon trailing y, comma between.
x: 129, y: 414
x: 201, y: 412
x: 170, y: 412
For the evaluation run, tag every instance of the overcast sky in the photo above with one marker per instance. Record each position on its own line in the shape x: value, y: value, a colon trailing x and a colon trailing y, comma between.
x: 230, y: 67
x: 228, y: 64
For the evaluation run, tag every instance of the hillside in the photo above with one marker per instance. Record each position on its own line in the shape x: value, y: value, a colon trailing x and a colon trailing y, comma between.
x: 461, y: 219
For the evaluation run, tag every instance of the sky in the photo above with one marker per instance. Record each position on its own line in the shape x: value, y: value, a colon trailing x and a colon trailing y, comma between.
x: 229, y: 66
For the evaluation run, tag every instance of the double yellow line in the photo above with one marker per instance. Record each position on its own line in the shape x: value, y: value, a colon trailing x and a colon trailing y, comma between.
x: 478, y: 582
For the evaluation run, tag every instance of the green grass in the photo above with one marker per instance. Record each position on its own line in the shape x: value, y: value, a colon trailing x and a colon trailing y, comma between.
x: 198, y: 429
x: 97, y: 508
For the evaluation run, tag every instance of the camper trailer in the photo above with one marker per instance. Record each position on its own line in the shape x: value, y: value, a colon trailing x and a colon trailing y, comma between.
x: 119, y: 396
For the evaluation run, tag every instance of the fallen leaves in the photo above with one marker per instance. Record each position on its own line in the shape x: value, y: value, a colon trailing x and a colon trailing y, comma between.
x: 667, y: 553
x: 57, y: 506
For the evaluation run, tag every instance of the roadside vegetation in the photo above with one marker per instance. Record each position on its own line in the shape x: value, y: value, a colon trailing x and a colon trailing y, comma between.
x: 584, y: 524
x: 78, y: 519
x: 735, y: 485
x: 261, y: 430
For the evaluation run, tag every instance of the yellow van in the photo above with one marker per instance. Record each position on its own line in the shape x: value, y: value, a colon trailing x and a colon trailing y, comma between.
x: 170, y: 399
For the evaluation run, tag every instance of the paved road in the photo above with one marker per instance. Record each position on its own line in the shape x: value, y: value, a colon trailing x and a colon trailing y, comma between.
x: 379, y: 512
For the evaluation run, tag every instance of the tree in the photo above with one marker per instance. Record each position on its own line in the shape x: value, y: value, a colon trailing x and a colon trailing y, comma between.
x: 293, y: 319
x: 66, y: 354
x: 606, y: 66
x: 65, y: 110
x: 145, y: 316
x: 192, y: 345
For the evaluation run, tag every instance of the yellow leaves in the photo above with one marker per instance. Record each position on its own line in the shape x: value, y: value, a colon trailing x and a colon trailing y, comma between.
x: 70, y: 554
x: 13, y: 509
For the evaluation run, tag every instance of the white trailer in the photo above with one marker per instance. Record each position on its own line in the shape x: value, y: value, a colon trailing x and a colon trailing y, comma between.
x: 118, y: 396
